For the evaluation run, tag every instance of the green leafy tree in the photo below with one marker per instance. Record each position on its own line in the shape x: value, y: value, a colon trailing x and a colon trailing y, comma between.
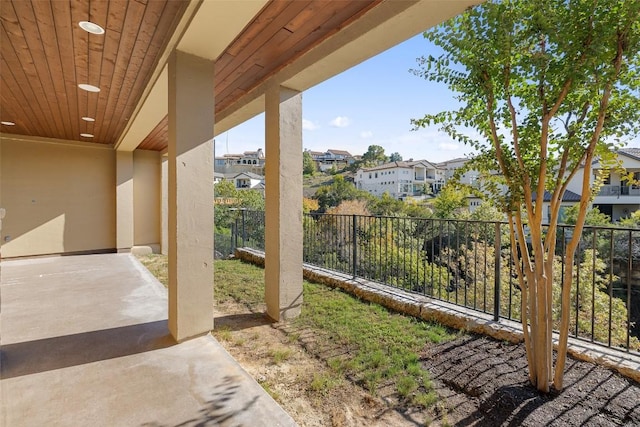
x: 308, y: 165
x: 592, y: 217
x: 633, y: 221
x: 395, y: 157
x: 387, y: 206
x: 373, y: 157
x: 545, y: 84
x: 450, y: 202
x: 230, y: 200
x: 338, y: 191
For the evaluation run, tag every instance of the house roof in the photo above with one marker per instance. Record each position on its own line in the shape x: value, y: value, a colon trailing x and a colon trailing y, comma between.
x: 569, y: 196
x: 401, y: 164
x: 456, y: 160
x: 341, y: 152
x: 632, y: 152
x: 250, y: 175
x: 421, y: 162
x: 390, y: 165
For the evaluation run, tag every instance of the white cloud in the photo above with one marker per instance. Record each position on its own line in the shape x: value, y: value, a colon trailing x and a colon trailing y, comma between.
x: 340, y: 122
x: 448, y: 146
x: 366, y: 134
x: 309, y: 125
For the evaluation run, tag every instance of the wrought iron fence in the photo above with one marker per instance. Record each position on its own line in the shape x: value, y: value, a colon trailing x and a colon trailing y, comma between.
x: 470, y: 263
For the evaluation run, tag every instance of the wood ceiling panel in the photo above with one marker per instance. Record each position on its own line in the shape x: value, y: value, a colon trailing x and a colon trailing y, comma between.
x: 11, y: 94
x: 279, y: 34
x: 16, y: 53
x: 39, y: 76
x: 64, y: 37
x: 45, y: 55
x: 119, y: 68
x: 273, y: 18
x: 282, y: 31
x: 158, y: 138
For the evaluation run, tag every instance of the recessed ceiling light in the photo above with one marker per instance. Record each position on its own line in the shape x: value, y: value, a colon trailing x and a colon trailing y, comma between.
x: 88, y: 87
x: 90, y: 27
x: 88, y: 119
x: 86, y: 135
x: 8, y: 123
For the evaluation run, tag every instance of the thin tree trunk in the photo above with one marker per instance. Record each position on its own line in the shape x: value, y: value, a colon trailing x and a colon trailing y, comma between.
x: 524, y: 303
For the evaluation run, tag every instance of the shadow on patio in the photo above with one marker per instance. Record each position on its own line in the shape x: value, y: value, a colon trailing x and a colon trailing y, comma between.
x: 85, y: 342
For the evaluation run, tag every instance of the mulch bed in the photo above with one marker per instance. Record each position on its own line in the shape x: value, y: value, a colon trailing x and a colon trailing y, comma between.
x: 485, y: 383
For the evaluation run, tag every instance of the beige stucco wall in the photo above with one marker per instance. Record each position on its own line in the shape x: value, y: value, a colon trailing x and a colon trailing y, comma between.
x: 58, y: 198
x: 146, y: 197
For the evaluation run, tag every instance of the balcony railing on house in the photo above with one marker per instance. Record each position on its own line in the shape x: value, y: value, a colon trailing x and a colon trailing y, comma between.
x: 469, y: 263
x: 618, y: 190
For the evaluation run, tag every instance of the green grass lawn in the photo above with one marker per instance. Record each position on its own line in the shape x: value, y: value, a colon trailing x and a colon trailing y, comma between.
x: 383, y: 346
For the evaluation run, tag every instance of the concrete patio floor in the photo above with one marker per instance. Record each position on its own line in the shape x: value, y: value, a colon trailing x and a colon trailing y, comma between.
x: 84, y: 341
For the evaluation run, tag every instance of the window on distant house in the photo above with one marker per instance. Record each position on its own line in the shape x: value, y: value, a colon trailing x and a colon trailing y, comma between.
x: 636, y: 178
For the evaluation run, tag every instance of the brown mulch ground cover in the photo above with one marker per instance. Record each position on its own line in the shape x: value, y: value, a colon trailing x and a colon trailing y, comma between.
x: 485, y: 383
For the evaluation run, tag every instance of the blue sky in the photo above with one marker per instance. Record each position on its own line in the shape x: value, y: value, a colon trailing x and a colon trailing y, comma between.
x: 372, y: 103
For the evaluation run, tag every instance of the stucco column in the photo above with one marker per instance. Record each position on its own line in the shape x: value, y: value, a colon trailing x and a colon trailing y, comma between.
x: 124, y: 200
x: 164, y: 199
x: 283, y: 204
x: 190, y: 195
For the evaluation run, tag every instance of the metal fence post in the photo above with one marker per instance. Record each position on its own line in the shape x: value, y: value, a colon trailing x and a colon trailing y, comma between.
x: 496, y: 290
x: 354, y: 239
x: 244, y: 231
x: 232, y: 246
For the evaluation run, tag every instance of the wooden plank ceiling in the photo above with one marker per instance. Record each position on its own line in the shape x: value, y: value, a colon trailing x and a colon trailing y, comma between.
x: 45, y: 55
x: 281, y: 32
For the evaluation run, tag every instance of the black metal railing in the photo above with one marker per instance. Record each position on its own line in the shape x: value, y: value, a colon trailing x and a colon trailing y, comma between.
x: 470, y: 264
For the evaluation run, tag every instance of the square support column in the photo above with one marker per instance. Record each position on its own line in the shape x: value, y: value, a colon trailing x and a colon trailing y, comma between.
x: 283, y: 203
x: 164, y: 206
x: 190, y: 195
x: 124, y: 201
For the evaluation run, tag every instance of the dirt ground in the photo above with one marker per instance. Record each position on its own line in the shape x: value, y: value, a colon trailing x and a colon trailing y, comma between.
x: 480, y: 381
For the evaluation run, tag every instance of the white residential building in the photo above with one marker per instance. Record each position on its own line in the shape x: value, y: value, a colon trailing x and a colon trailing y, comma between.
x: 331, y: 159
x: 617, y: 198
x: 249, y: 161
x: 400, y: 179
x: 451, y: 166
x: 242, y: 180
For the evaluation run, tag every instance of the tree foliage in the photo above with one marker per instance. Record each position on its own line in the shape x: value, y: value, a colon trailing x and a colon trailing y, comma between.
x: 308, y: 165
x: 593, y: 216
x: 395, y: 157
x: 547, y: 85
x: 450, y: 202
x: 338, y: 191
x: 374, y: 156
x: 234, y: 199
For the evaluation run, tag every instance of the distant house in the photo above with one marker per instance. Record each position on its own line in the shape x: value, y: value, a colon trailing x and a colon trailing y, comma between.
x: 249, y: 161
x: 450, y: 167
x: 242, y: 180
x: 331, y: 158
x: 568, y: 199
x: 617, y: 198
x: 401, y: 179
